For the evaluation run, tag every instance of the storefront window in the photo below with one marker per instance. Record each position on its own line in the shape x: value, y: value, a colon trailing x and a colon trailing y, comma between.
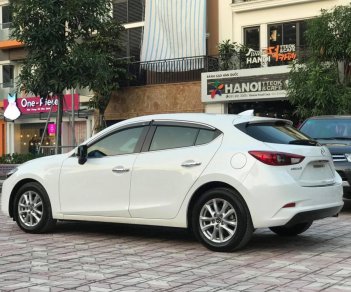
x: 30, y: 138
x: 286, y: 42
x: 252, y: 37
x: 275, y: 35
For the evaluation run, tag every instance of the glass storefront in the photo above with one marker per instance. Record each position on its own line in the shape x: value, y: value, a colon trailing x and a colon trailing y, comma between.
x: 30, y: 137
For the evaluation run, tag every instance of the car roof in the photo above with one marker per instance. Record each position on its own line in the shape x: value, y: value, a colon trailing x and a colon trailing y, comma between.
x: 203, y: 118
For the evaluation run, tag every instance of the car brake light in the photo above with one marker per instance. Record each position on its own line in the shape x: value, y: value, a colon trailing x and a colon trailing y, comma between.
x: 277, y: 158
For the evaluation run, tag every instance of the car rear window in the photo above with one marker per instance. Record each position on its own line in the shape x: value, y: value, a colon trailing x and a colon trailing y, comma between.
x: 280, y: 133
x: 327, y: 128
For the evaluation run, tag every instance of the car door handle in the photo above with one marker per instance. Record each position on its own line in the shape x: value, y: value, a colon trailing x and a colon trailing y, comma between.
x: 190, y: 163
x: 120, y: 169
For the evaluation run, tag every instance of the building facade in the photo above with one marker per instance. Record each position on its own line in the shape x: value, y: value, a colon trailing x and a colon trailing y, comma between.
x: 176, y: 89
x: 24, y: 134
x: 273, y: 31
x: 161, y: 91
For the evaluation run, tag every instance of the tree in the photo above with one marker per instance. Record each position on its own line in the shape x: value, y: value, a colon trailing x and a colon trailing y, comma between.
x: 103, y: 52
x: 56, y: 34
x: 321, y: 84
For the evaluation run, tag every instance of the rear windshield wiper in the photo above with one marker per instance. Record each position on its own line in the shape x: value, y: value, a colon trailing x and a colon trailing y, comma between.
x: 304, y: 142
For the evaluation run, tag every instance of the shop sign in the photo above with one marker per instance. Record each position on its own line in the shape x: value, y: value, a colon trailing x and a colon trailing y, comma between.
x: 271, y: 54
x: 246, y: 84
x: 52, y: 129
x: 10, y: 106
x: 36, y: 104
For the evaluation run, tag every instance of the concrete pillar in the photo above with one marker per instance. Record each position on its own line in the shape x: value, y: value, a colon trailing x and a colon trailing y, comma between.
x: 10, y: 138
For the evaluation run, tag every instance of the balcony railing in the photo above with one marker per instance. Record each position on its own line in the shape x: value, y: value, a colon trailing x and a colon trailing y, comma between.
x: 190, y: 69
x: 171, y: 70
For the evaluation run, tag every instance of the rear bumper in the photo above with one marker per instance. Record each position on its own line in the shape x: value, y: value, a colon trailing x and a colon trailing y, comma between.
x: 309, y: 216
x: 344, y: 171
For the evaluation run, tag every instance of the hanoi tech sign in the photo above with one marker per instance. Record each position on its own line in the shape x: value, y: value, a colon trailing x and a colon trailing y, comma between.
x: 245, y: 84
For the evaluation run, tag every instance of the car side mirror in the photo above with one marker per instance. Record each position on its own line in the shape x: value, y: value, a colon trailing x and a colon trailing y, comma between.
x: 82, y: 154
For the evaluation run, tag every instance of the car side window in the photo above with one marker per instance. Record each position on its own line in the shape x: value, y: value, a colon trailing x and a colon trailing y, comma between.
x: 205, y: 136
x: 168, y: 137
x: 121, y: 142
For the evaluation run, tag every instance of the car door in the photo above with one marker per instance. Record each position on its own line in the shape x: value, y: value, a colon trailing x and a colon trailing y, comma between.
x: 100, y: 187
x: 177, y: 154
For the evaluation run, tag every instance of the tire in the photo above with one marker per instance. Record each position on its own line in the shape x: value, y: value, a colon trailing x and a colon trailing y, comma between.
x: 291, y: 230
x: 32, y: 209
x: 221, y: 221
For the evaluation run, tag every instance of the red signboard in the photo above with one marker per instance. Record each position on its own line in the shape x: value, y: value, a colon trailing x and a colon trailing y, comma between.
x: 35, y: 104
x: 52, y: 129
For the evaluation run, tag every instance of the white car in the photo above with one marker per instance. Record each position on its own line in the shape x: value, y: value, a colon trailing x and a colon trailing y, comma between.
x: 222, y: 176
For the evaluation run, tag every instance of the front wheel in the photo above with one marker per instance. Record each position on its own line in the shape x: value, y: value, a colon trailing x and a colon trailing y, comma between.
x: 221, y: 220
x: 291, y: 230
x: 32, y: 209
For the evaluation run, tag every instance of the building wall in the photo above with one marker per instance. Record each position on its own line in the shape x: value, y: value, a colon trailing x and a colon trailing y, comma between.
x: 264, y: 12
x: 152, y: 99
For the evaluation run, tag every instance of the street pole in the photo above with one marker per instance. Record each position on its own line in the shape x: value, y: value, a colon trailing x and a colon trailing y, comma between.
x: 73, y: 130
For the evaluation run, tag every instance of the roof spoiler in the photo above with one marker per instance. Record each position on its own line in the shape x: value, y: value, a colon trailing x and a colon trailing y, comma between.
x: 247, y: 113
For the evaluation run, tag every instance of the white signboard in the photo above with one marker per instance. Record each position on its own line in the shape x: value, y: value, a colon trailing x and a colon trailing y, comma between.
x: 245, y: 84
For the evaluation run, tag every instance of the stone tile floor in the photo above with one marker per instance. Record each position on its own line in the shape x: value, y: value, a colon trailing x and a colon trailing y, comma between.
x: 111, y: 257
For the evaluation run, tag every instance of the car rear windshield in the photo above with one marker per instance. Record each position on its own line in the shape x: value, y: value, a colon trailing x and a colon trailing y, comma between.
x: 327, y: 128
x: 276, y: 132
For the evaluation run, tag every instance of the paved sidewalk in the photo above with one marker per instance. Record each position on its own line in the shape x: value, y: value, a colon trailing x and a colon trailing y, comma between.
x: 111, y: 257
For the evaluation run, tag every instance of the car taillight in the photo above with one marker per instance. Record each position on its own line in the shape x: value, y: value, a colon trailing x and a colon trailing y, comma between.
x: 277, y: 158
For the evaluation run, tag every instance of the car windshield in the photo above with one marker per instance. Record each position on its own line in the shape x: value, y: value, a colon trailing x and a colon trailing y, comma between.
x: 327, y: 128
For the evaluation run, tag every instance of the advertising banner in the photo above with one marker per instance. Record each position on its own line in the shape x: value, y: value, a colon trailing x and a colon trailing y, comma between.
x: 36, y: 104
x: 245, y: 84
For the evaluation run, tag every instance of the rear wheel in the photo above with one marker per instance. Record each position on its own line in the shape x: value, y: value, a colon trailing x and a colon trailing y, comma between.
x: 221, y: 221
x: 291, y: 230
x: 32, y: 209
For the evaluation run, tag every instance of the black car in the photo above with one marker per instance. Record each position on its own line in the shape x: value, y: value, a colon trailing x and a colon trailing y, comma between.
x: 335, y: 133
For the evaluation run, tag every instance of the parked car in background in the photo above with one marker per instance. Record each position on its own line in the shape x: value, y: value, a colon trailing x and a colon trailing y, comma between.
x: 221, y: 176
x: 335, y: 133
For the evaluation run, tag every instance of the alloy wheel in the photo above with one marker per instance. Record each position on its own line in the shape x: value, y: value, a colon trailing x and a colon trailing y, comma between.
x: 30, y: 208
x: 218, y: 220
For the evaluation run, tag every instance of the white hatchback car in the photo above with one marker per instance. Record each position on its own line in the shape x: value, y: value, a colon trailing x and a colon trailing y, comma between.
x: 222, y: 176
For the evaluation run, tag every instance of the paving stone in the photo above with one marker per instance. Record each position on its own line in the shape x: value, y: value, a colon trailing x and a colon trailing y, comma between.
x: 115, y: 257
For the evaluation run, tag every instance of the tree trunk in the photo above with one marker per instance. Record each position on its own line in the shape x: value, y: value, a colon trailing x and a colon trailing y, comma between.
x: 102, y: 124
x: 58, y: 148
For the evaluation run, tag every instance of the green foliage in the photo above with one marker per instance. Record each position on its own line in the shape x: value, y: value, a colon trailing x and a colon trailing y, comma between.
x: 314, y: 90
x: 322, y: 84
x: 231, y: 55
x: 52, y: 32
x: 70, y: 44
x: 102, y: 52
x: 17, y: 158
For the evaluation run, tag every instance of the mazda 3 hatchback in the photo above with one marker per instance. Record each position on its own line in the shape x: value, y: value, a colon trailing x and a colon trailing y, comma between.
x: 221, y: 176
